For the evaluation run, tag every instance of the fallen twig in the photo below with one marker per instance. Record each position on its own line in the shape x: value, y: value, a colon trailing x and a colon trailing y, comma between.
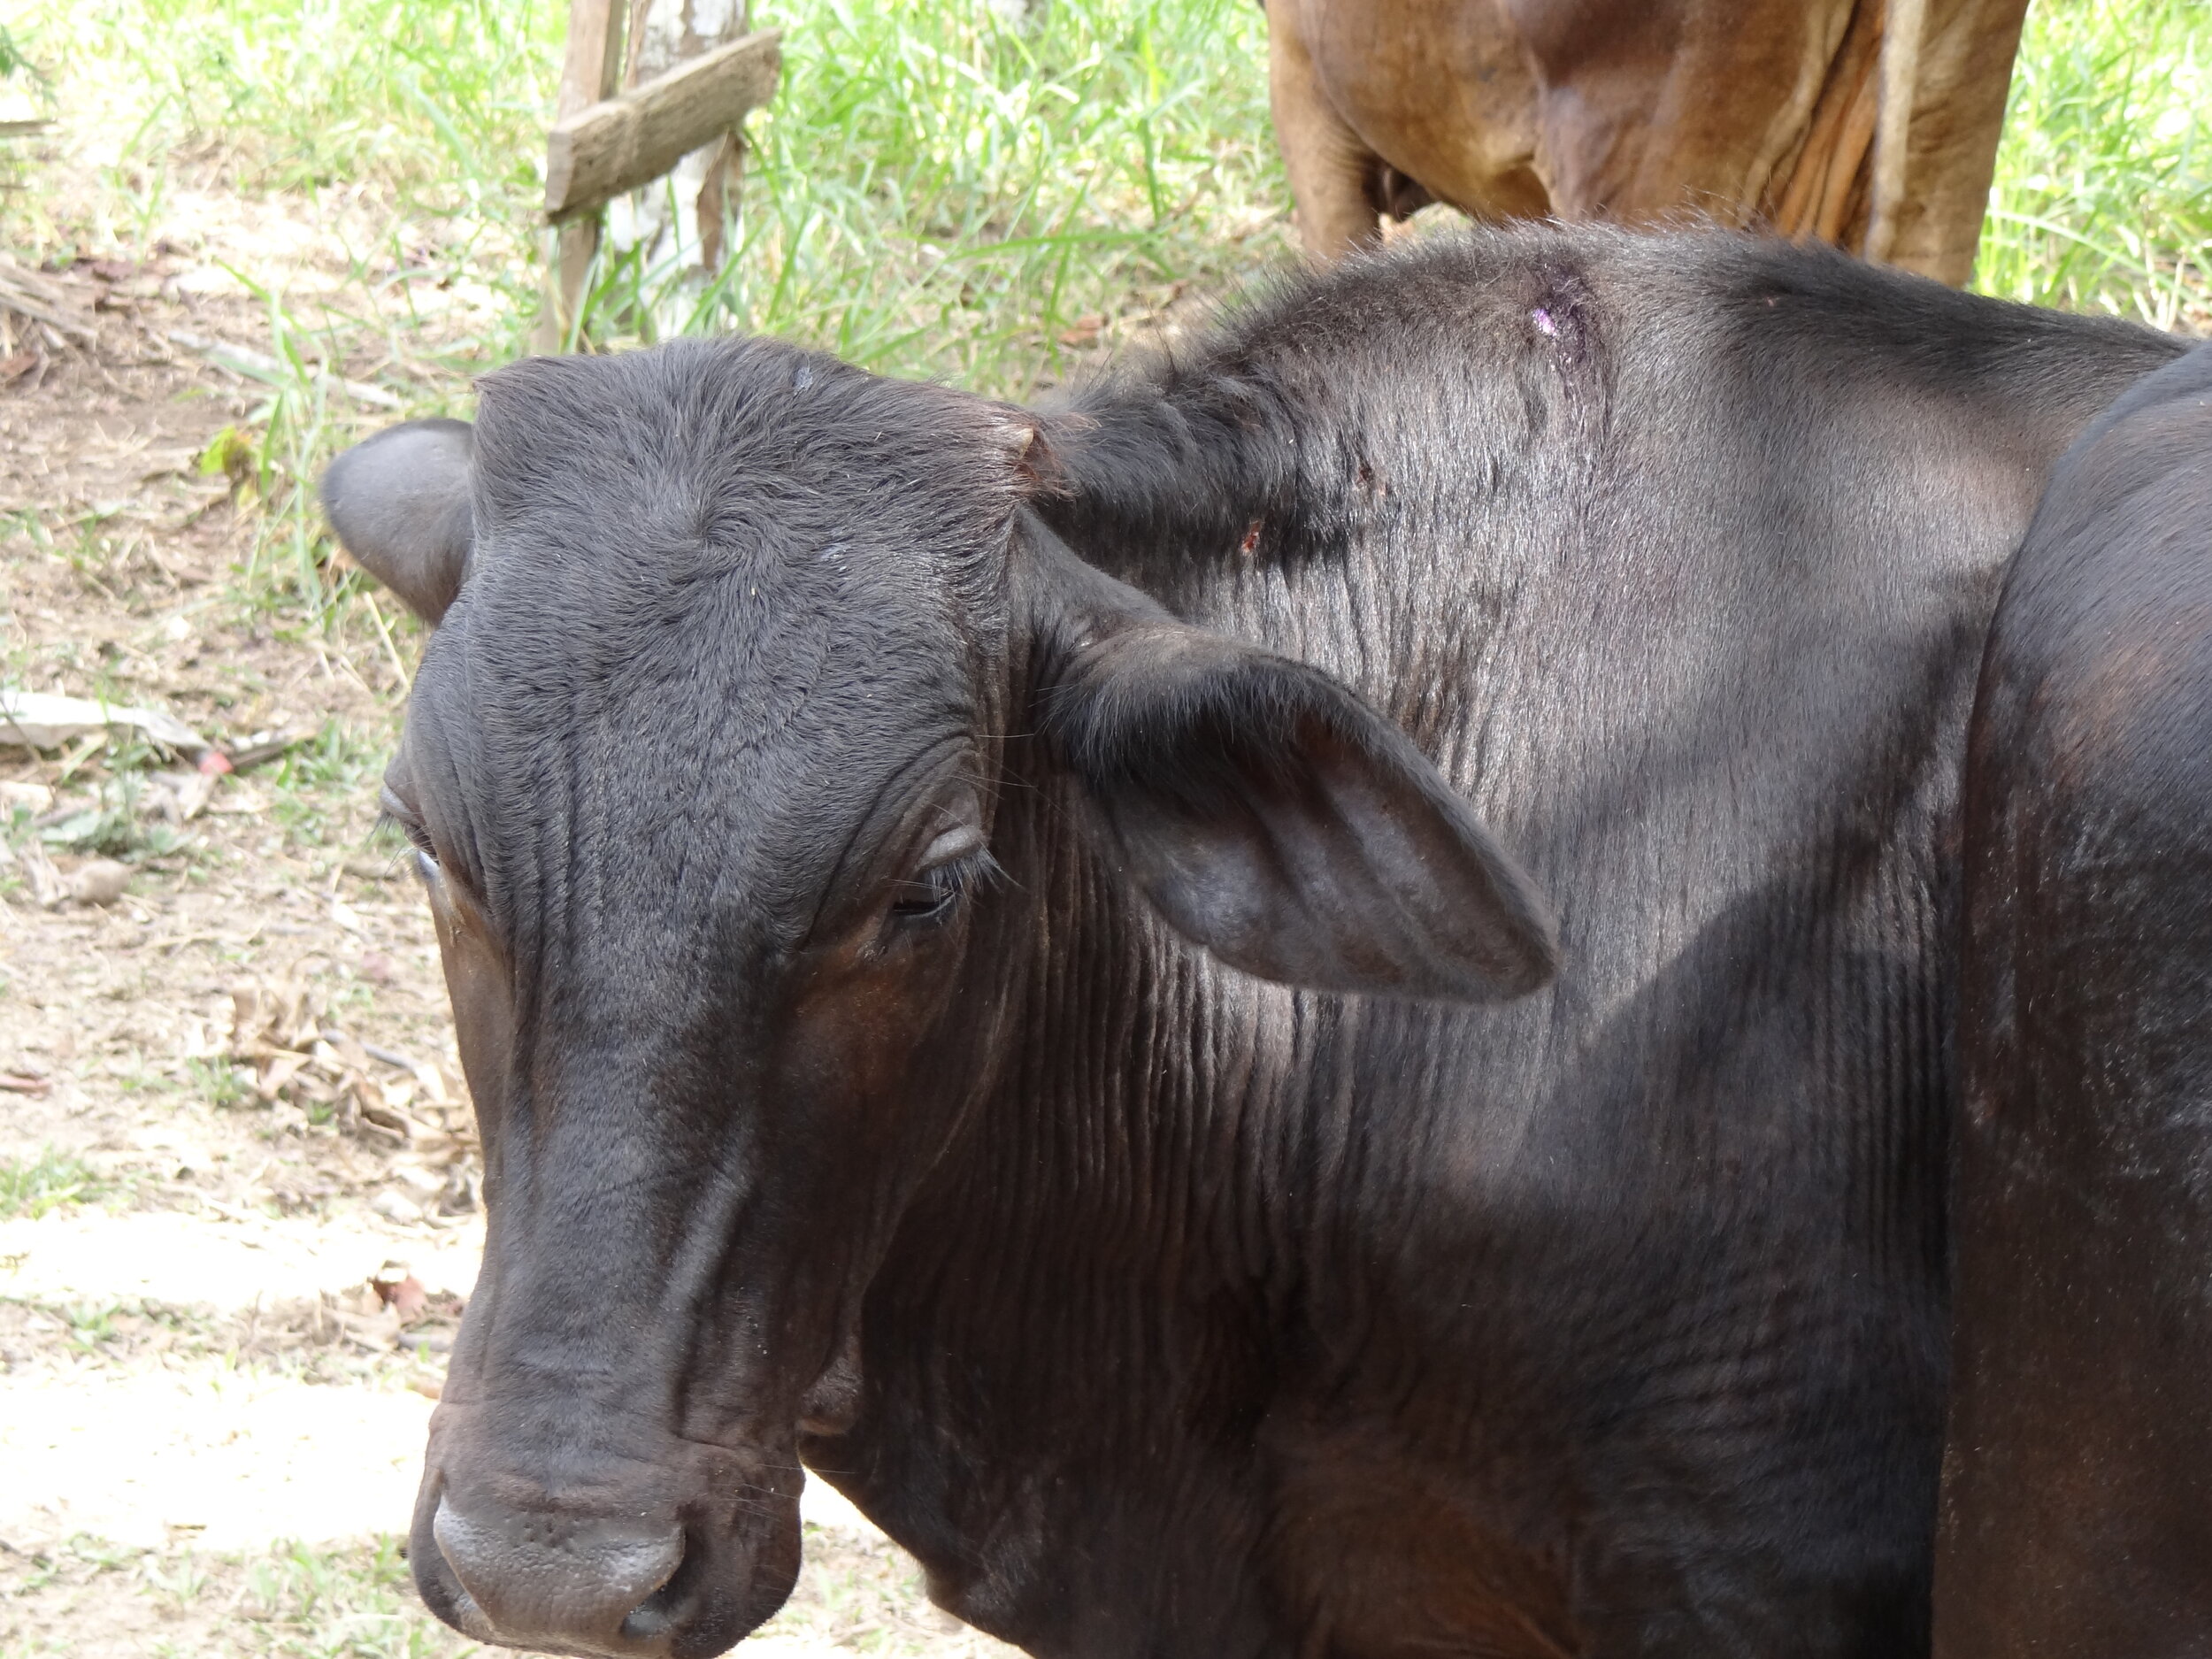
x: 263, y: 750
x: 391, y: 1057
x: 31, y: 297
x: 260, y: 366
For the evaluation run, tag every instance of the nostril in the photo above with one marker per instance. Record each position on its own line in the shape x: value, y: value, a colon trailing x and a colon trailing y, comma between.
x: 544, y: 1578
x: 669, y: 1605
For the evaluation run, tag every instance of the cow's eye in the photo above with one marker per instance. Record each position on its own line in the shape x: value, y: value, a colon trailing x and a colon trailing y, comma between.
x: 930, y: 896
x: 397, y: 811
x: 956, y: 861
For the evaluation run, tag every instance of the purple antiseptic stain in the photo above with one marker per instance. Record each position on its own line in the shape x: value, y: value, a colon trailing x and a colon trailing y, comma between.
x: 1542, y: 318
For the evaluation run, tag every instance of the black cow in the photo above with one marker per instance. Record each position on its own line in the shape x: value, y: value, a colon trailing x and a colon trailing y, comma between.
x: 2077, y: 1490
x: 1002, y: 954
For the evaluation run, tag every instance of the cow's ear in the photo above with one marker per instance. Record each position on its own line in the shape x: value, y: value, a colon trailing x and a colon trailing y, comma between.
x: 399, y: 503
x: 1273, y: 817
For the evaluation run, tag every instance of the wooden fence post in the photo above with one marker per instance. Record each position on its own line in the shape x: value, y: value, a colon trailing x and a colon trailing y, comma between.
x: 609, y: 139
x: 590, y: 74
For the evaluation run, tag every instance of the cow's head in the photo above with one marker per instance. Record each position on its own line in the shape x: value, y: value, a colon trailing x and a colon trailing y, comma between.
x: 703, y: 767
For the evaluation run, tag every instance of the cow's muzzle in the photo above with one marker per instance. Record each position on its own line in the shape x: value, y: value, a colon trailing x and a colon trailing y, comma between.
x: 526, y: 1578
x: 607, y: 1588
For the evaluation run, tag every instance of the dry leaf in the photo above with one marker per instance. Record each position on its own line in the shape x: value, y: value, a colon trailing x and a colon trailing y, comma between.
x: 396, y: 1207
x: 178, y: 797
x: 38, y: 719
x: 265, y: 1018
x: 278, y: 1074
x: 41, y: 880
x: 238, y: 799
x: 400, y: 1290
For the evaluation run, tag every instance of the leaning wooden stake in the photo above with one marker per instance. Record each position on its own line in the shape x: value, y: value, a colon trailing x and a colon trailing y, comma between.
x: 590, y: 74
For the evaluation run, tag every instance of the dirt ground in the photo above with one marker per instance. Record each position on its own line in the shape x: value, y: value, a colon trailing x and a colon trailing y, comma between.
x: 238, y: 1199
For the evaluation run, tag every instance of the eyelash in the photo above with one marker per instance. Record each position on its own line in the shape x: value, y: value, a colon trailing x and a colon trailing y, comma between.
x: 390, y: 811
x: 418, y: 837
x: 933, y: 897
x: 426, y: 858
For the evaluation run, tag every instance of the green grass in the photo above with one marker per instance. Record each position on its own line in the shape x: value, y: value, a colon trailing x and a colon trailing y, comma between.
x: 337, y: 1604
x: 48, y: 1182
x: 936, y: 192
x: 219, y: 1083
x: 323, y: 792
x: 439, y: 103
x: 354, y: 1600
x: 2103, y: 196
x: 291, y: 1600
x: 426, y: 118
x: 932, y: 192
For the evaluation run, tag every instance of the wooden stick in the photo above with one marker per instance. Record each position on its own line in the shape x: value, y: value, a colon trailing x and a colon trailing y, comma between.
x: 625, y: 141
x: 591, y: 70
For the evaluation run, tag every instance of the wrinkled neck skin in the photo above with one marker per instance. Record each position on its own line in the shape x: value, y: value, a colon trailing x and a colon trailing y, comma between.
x: 1240, y: 1321
x: 1143, y: 1309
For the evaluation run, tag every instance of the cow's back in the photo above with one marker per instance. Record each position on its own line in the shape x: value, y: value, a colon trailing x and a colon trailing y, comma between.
x: 2075, y: 1514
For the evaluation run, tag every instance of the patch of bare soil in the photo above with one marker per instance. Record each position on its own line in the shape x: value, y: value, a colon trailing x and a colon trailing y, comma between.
x: 239, y: 1204
x: 256, y: 1018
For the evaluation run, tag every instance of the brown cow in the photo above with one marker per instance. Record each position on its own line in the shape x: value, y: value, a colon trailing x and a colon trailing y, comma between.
x: 1868, y: 125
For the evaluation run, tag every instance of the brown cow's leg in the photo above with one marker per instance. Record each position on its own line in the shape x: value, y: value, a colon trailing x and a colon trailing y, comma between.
x: 1650, y: 111
x: 1961, y: 70
x: 1330, y: 165
x: 1821, y: 193
x: 1441, y: 91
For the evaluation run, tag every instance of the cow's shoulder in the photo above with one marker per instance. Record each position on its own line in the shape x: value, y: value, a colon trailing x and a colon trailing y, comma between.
x: 2100, y: 664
